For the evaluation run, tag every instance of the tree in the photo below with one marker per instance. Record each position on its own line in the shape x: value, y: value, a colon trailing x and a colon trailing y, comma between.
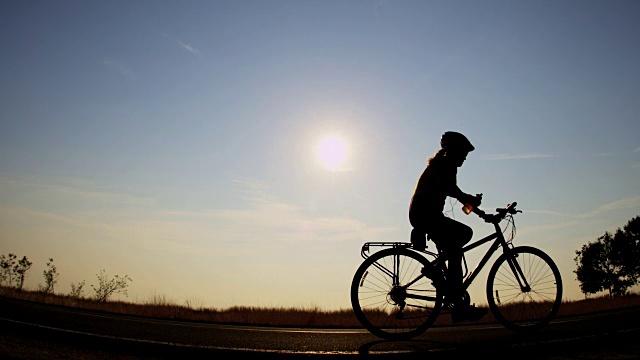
x: 50, y: 278
x: 107, y: 287
x: 20, y: 270
x: 6, y: 269
x: 612, y: 263
x: 632, y: 231
x: 13, y: 270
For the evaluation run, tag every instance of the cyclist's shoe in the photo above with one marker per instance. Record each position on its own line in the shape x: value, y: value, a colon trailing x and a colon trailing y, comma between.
x: 469, y: 313
x: 475, y: 314
x: 435, y: 275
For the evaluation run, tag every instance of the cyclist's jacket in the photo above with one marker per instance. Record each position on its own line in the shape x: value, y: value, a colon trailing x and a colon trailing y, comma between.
x: 438, y: 180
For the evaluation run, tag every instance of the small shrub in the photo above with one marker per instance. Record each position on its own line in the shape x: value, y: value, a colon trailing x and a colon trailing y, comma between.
x: 77, y: 290
x: 50, y: 278
x: 108, y: 287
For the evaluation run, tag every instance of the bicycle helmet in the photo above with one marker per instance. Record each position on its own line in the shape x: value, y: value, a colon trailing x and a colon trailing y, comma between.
x: 452, y: 140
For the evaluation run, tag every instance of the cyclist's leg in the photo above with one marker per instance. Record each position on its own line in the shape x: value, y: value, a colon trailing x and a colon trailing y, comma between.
x: 450, y: 236
x: 419, y: 239
x: 418, y: 218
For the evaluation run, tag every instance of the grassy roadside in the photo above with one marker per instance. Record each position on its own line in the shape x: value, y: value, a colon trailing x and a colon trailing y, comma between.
x: 161, y: 308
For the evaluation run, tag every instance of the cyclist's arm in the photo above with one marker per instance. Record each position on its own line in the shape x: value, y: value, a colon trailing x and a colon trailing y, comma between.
x: 463, y: 197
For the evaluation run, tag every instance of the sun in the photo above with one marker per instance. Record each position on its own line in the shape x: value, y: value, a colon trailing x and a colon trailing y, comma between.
x: 332, y: 153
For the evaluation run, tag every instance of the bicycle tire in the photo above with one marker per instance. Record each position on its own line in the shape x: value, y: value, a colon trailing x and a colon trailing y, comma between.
x: 383, y: 308
x: 516, y: 308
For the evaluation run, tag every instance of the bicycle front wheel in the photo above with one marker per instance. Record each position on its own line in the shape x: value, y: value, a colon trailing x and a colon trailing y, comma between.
x: 524, y: 289
x: 390, y: 296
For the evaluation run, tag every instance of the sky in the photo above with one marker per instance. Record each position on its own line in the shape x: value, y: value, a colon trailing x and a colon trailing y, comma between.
x: 179, y: 142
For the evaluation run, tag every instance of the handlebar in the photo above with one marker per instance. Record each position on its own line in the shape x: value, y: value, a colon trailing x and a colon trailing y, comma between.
x: 500, y: 214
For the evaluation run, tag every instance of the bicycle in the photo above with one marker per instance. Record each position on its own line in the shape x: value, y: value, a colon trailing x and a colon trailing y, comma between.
x: 398, y: 293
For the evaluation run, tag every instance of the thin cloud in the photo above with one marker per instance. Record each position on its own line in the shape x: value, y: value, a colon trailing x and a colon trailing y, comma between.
x: 117, y: 67
x: 637, y: 150
x: 517, y: 156
x: 627, y: 203
x: 551, y: 213
x: 286, y: 222
x: 72, y: 189
x: 183, y: 45
x: 572, y: 220
x: 547, y: 227
x: 261, y: 216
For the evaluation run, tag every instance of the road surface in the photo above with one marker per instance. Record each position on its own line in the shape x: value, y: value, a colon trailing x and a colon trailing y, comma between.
x: 37, y: 331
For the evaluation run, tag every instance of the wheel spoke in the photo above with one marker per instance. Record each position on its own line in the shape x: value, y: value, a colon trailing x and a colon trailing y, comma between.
x: 395, y: 310
x: 524, y: 308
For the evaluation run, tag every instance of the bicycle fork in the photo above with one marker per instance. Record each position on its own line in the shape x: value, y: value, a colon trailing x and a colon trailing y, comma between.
x: 519, y: 275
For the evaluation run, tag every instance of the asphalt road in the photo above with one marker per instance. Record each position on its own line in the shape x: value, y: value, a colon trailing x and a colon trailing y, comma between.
x: 36, y: 331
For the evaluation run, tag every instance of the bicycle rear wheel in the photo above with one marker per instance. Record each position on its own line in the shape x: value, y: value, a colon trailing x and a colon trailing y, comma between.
x: 515, y: 305
x: 390, y: 296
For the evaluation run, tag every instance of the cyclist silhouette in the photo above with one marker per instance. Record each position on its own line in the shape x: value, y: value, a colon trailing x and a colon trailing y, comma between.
x: 437, y: 182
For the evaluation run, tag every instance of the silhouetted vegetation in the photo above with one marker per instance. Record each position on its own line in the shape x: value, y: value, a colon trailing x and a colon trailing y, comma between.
x: 13, y: 271
x: 77, y: 290
x: 161, y: 307
x: 109, y: 286
x: 50, y: 278
x: 611, y: 263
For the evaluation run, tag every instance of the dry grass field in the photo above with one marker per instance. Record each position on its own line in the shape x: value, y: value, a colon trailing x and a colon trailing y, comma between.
x: 162, y: 308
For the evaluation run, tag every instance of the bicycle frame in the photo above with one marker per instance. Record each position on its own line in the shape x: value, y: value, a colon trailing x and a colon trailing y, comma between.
x: 442, y: 257
x: 499, y: 242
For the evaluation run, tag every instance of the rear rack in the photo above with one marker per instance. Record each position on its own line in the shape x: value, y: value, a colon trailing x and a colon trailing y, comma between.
x: 397, y: 244
x: 366, y: 247
x: 406, y: 245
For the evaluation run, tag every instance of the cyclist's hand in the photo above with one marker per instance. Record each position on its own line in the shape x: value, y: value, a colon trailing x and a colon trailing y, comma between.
x: 474, y: 200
